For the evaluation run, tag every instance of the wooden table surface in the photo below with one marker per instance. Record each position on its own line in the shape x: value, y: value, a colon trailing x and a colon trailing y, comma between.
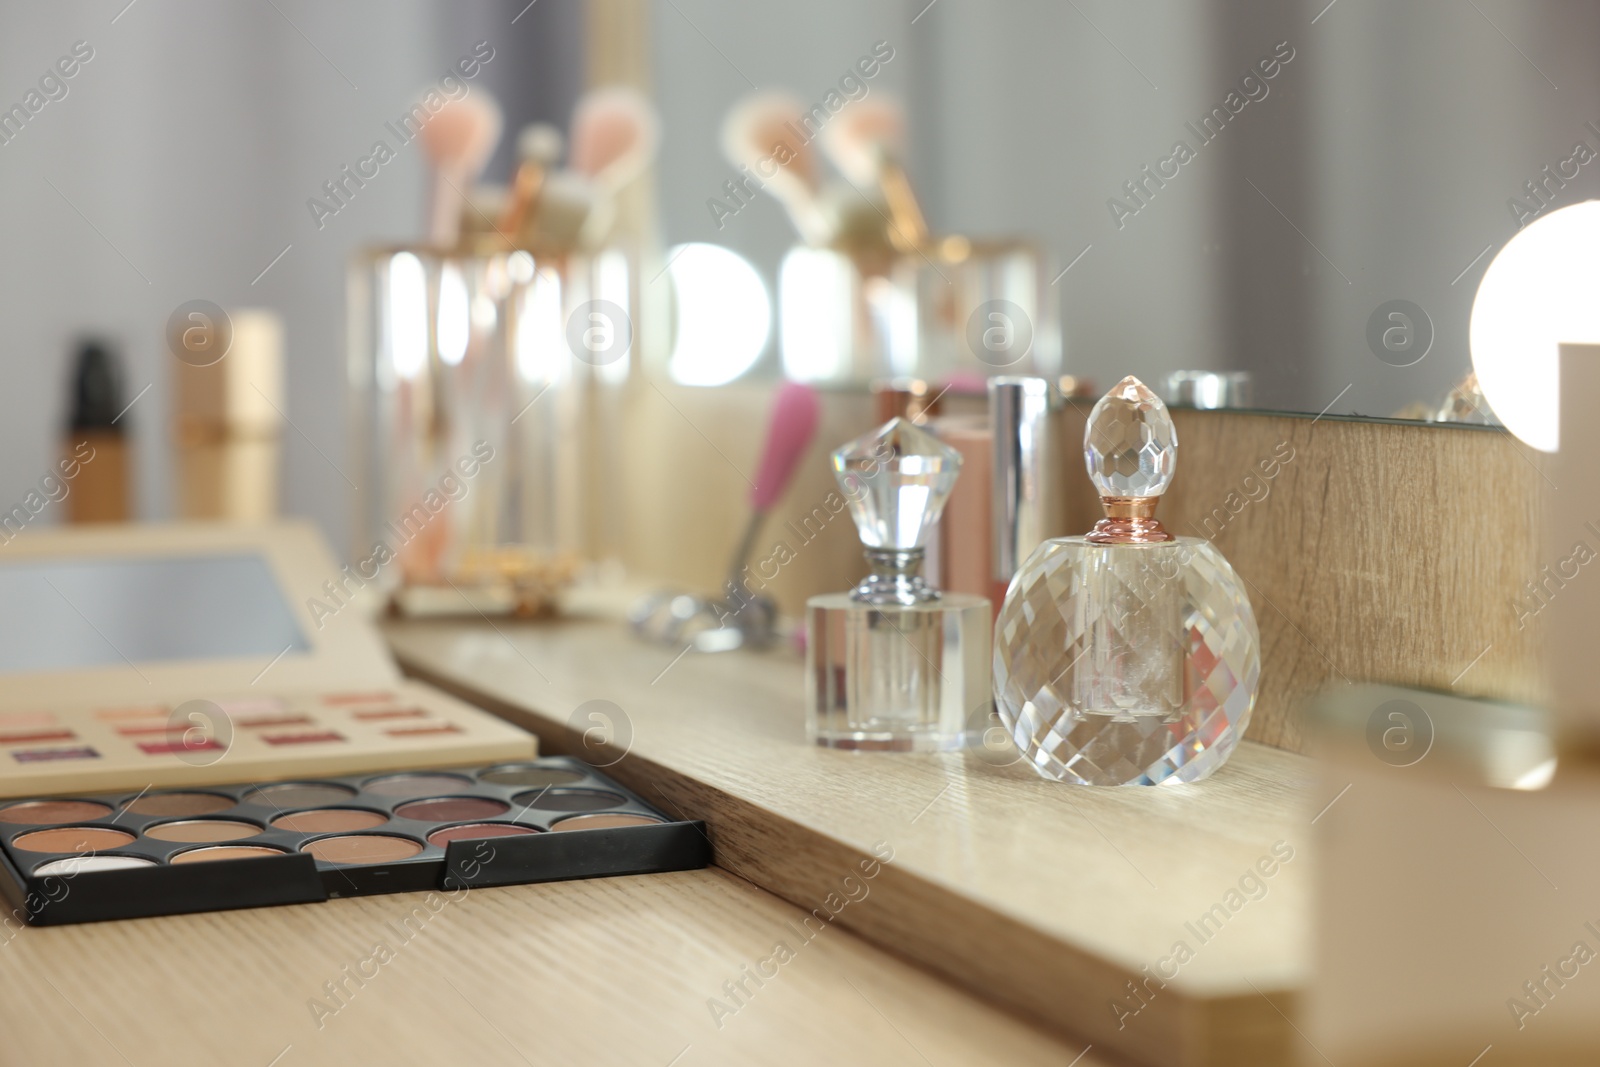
x: 1044, y: 898
x: 618, y: 971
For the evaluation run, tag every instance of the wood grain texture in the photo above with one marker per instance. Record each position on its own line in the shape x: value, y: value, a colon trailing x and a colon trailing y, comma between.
x: 1385, y: 552
x: 616, y: 971
x: 691, y: 466
x: 1378, y: 552
x: 1046, y: 899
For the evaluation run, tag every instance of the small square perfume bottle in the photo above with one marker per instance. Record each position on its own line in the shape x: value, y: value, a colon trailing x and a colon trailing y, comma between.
x: 1127, y: 656
x: 894, y: 665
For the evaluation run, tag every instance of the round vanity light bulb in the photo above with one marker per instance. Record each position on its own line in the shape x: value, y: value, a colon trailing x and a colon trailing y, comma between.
x: 724, y: 314
x: 1540, y: 291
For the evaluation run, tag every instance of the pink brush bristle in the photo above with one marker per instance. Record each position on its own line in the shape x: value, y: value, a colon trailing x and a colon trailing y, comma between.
x: 614, y: 134
x: 458, y: 140
x: 463, y: 133
x: 795, y: 413
x: 608, y: 137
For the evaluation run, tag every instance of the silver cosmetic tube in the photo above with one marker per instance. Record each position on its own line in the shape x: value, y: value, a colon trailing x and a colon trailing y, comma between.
x: 1028, y: 505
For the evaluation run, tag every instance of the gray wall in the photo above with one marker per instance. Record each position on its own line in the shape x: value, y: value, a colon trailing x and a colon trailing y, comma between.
x: 190, y: 144
x: 185, y: 150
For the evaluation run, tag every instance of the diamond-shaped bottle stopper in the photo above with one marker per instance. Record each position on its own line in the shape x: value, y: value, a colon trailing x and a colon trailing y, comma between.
x: 1131, y: 449
x: 896, y: 479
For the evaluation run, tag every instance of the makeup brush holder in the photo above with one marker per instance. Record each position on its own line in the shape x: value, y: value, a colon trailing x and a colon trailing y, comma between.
x: 987, y: 308
x: 847, y: 319
x: 486, y: 389
x: 959, y: 309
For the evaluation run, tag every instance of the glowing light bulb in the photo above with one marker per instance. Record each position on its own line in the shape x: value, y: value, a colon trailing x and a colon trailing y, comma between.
x: 454, y: 332
x: 408, y: 315
x: 724, y: 314
x: 1541, y: 290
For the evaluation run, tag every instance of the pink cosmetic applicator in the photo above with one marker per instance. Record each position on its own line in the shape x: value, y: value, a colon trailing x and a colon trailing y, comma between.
x: 615, y: 134
x: 762, y: 133
x: 795, y: 414
x: 866, y: 142
x: 743, y: 618
x: 458, y: 139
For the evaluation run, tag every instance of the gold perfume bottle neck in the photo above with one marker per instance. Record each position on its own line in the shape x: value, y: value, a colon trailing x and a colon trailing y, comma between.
x: 1130, y: 520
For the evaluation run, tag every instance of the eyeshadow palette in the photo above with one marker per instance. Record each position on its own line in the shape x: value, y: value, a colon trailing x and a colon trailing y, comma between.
x: 261, y: 735
x: 125, y: 855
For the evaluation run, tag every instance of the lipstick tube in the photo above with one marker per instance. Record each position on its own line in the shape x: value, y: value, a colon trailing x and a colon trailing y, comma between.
x: 227, y: 425
x: 1028, y: 503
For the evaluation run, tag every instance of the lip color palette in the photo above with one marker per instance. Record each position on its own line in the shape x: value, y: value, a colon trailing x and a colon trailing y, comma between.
x: 261, y: 735
x: 124, y: 855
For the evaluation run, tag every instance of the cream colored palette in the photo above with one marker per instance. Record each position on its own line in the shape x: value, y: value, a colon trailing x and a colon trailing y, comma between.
x: 247, y: 737
x: 159, y: 657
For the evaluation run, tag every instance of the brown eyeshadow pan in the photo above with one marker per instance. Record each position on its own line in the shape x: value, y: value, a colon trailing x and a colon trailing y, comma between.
x: 416, y: 785
x: 216, y: 853
x: 330, y: 820
x: 195, y: 831
x: 452, y: 809
x: 571, y: 800
x: 45, y: 812
x: 531, y: 776
x: 175, y: 805
x: 362, y: 848
x: 604, y: 821
x: 476, y: 831
x: 72, y: 839
x: 285, y: 795
x: 378, y: 831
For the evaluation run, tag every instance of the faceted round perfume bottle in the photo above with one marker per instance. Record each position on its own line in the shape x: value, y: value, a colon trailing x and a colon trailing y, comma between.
x: 1127, y: 656
x: 894, y: 665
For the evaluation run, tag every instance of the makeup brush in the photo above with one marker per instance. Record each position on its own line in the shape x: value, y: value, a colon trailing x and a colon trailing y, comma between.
x: 742, y: 618
x: 795, y: 412
x: 538, y: 149
x: 866, y: 141
x: 459, y: 139
x: 766, y: 132
x: 615, y: 134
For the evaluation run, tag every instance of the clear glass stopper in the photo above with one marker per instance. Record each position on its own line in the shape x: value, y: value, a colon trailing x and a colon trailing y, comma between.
x: 897, y: 480
x: 1130, y: 445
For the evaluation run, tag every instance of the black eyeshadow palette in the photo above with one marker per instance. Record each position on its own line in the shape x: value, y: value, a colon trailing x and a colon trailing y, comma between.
x: 126, y: 855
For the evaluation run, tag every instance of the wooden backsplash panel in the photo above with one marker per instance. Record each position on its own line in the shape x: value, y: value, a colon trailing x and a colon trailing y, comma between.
x: 692, y: 455
x: 1376, y: 552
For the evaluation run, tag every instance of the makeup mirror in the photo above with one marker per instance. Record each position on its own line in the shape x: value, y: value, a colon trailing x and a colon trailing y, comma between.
x: 1305, y: 196
x: 1309, y: 193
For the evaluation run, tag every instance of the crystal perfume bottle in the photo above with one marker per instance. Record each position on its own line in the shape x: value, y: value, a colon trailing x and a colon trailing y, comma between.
x: 894, y: 665
x: 1127, y: 656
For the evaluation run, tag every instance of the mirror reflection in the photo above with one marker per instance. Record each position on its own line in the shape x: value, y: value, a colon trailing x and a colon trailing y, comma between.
x: 1308, y: 194
x: 1246, y: 204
